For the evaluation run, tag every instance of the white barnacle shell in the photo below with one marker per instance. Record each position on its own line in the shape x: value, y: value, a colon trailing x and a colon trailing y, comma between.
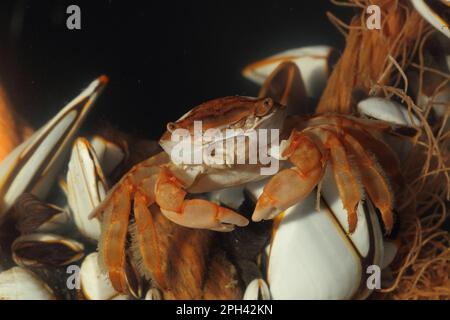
x: 312, y: 255
x: 19, y: 283
x: 32, y: 167
x: 95, y: 284
x: 390, y: 111
x: 313, y: 62
x: 86, y: 188
x: 45, y: 249
x: 387, y: 110
x: 153, y: 294
x: 440, y: 102
x: 390, y: 252
x: 430, y: 11
x: 257, y: 289
x: 109, y: 154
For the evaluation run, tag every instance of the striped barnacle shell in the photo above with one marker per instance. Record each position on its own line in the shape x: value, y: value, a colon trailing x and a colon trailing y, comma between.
x: 34, y: 215
x: 86, y: 188
x: 44, y: 249
x: 435, y: 12
x: 314, y: 63
x: 33, y: 166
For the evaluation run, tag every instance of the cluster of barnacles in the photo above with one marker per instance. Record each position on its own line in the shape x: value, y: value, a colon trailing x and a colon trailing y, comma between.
x: 103, y: 215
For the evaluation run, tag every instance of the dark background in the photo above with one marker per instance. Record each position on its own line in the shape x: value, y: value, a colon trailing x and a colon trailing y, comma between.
x: 162, y: 57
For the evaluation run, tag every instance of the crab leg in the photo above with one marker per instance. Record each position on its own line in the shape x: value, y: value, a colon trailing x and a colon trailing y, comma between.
x: 305, y: 154
x: 358, y: 128
x: 387, y: 159
x: 147, y: 183
x: 373, y: 180
x: 292, y: 185
x: 146, y: 241
x: 114, y: 233
x: 345, y: 175
x: 372, y: 176
x: 196, y: 213
x: 115, y: 211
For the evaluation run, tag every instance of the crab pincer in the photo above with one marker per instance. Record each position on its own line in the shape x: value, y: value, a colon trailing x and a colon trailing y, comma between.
x: 193, y: 213
x: 162, y: 182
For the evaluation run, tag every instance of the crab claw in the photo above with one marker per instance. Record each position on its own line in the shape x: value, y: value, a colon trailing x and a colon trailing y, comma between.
x: 192, y: 213
x: 265, y: 210
x: 202, y: 214
x: 292, y: 185
x: 278, y: 194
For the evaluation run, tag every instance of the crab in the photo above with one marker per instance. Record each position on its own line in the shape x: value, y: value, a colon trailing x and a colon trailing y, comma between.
x: 352, y: 146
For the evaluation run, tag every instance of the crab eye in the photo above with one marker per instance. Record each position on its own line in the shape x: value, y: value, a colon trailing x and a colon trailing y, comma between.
x: 172, y: 126
x: 264, y: 107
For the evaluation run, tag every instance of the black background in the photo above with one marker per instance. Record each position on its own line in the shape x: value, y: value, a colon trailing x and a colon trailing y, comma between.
x: 162, y: 57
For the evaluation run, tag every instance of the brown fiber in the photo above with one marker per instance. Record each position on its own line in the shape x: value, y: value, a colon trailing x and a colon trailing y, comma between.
x: 381, y: 62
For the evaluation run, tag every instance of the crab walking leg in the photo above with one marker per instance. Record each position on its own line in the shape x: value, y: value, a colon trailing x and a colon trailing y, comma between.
x: 292, y: 185
x: 373, y: 180
x: 114, y: 212
x: 345, y: 175
x: 114, y: 233
x: 146, y: 241
x: 139, y: 172
x: 386, y: 157
x: 340, y: 120
x: 359, y: 130
x: 196, y: 213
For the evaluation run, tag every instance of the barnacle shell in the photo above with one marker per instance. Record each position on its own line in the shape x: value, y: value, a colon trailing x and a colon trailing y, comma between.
x: 86, y: 187
x: 392, y: 112
x: 19, y: 283
x: 153, y: 294
x: 40, y: 249
x: 439, y: 102
x: 95, y: 285
x: 109, y: 154
x: 387, y: 110
x: 431, y: 11
x: 257, y: 289
x: 390, y: 251
x: 33, y: 165
x: 34, y: 215
x: 312, y: 255
x: 313, y: 61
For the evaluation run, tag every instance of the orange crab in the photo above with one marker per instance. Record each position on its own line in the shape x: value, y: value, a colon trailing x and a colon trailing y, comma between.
x: 352, y: 146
